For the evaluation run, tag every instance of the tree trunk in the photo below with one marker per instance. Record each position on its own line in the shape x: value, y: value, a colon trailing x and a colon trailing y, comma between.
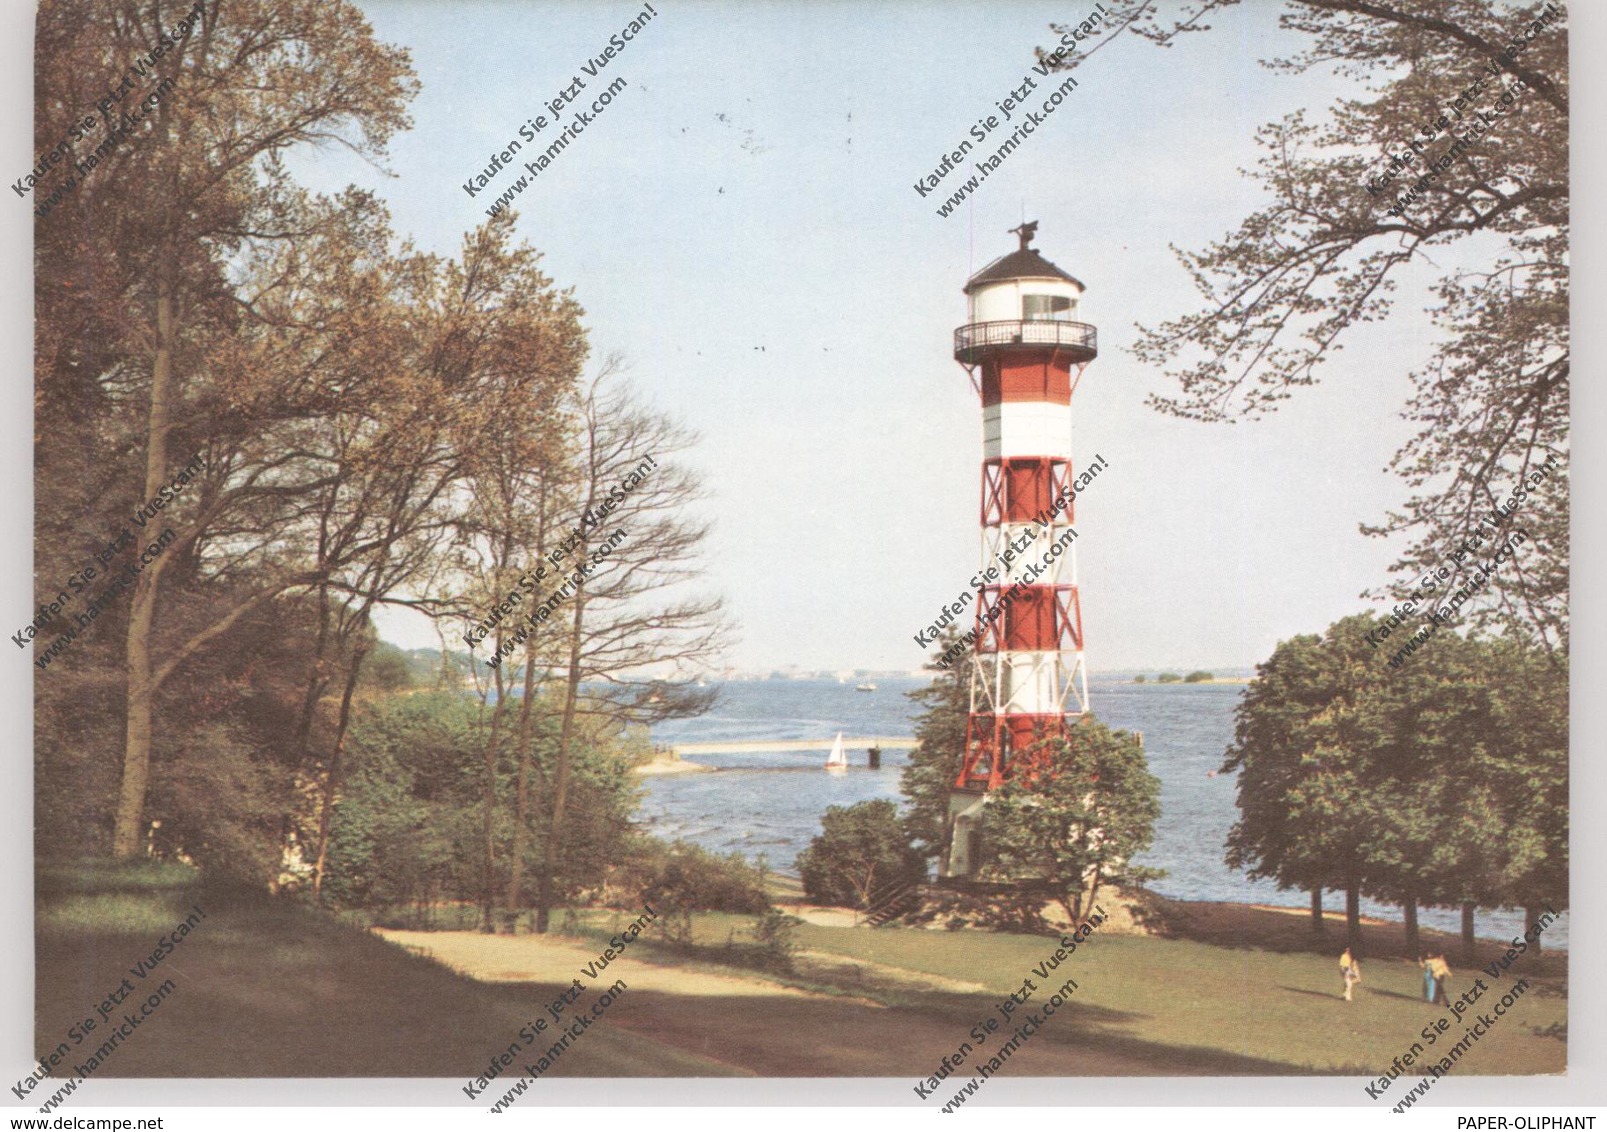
x: 1409, y: 909
x: 1318, y: 924
x: 1530, y: 915
x: 315, y: 677
x: 553, y: 847
x: 1467, y: 932
x: 1353, y: 916
x: 127, y: 834
x: 560, y: 792
x: 326, y: 811
x: 521, y: 803
x: 487, y: 826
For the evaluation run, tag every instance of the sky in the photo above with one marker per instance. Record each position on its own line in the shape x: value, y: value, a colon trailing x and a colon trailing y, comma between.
x: 741, y: 227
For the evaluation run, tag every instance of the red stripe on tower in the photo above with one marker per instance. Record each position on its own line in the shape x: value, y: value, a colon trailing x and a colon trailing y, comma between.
x: 1025, y: 352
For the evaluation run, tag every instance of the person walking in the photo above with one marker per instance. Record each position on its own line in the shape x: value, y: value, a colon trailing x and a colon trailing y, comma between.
x: 1441, y: 972
x: 1350, y: 971
x: 1428, y: 976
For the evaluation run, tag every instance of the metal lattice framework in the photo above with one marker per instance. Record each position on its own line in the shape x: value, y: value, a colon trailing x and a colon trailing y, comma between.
x: 1030, y: 679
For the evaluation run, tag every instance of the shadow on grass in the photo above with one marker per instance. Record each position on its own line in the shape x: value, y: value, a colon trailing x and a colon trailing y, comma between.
x: 265, y: 987
x: 1398, y: 994
x: 1267, y: 929
x: 792, y: 1035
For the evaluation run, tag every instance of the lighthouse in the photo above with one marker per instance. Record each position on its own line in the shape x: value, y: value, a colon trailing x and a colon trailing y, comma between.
x: 1025, y: 351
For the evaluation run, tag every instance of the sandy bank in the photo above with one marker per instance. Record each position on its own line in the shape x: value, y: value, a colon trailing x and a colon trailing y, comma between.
x: 669, y: 765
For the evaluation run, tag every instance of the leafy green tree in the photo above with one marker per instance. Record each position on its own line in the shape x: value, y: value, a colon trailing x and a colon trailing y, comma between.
x: 146, y: 326
x: 1303, y: 788
x: 403, y: 826
x: 860, y: 854
x: 1139, y: 679
x: 939, y: 752
x: 409, y: 823
x: 1169, y: 678
x: 1075, y: 815
x: 1198, y: 676
x: 1530, y: 734
x: 1442, y: 782
x: 1426, y: 727
x: 1323, y: 253
x: 682, y: 877
x: 388, y: 669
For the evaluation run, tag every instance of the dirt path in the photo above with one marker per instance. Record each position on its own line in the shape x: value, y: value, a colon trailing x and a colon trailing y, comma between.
x: 557, y: 960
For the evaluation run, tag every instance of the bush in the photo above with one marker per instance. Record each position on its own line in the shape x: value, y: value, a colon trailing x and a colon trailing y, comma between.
x: 1169, y: 678
x: 860, y: 856
x: 1198, y: 676
x: 681, y: 877
x: 773, y: 932
x: 1139, y: 679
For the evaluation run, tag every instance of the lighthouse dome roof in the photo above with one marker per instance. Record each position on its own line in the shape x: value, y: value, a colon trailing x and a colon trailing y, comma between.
x: 1024, y: 263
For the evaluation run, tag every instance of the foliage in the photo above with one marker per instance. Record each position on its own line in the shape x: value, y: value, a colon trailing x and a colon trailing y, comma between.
x: 1198, y: 676
x: 1168, y: 678
x: 681, y: 876
x: 939, y: 752
x: 348, y: 396
x: 1442, y: 782
x: 1322, y: 255
x: 408, y: 827
x: 223, y: 796
x: 1139, y: 679
x: 860, y: 854
x: 775, y: 931
x: 1301, y: 788
x: 388, y: 669
x: 1073, y: 814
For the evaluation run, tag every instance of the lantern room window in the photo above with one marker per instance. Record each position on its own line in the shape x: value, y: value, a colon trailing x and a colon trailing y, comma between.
x: 1039, y: 308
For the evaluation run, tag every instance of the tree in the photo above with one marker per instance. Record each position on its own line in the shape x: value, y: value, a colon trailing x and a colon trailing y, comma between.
x: 140, y: 256
x: 1530, y: 733
x: 1139, y: 679
x: 1168, y: 678
x: 513, y: 335
x: 629, y: 616
x: 1428, y: 736
x: 408, y: 824
x: 1324, y: 252
x: 1198, y: 676
x: 939, y: 752
x: 1075, y: 815
x: 388, y: 670
x: 1389, y: 782
x: 1304, y: 787
x: 859, y: 856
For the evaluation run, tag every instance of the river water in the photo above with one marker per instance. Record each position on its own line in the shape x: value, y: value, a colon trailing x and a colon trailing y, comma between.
x: 771, y: 804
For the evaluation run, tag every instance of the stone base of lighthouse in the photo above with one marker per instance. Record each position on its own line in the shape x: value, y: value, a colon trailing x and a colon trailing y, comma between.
x: 965, y: 833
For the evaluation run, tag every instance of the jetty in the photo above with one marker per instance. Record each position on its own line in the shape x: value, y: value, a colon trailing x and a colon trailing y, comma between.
x: 771, y: 746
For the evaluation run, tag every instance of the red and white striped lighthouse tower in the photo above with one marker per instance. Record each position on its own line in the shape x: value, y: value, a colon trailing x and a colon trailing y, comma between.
x: 1025, y: 352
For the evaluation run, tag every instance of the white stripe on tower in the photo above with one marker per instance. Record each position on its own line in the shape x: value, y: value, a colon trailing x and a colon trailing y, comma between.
x: 1022, y: 346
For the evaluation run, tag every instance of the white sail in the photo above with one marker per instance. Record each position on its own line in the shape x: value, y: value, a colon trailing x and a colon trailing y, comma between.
x: 838, y: 759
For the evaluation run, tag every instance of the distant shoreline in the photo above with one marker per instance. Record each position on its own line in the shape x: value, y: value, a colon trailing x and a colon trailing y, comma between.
x: 1188, y: 683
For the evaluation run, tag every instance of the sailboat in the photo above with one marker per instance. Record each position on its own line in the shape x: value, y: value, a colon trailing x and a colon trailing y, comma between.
x: 837, y: 761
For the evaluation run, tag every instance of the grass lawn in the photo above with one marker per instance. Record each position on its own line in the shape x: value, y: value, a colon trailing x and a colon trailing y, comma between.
x: 1171, y: 998
x: 270, y: 988
x: 266, y: 988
